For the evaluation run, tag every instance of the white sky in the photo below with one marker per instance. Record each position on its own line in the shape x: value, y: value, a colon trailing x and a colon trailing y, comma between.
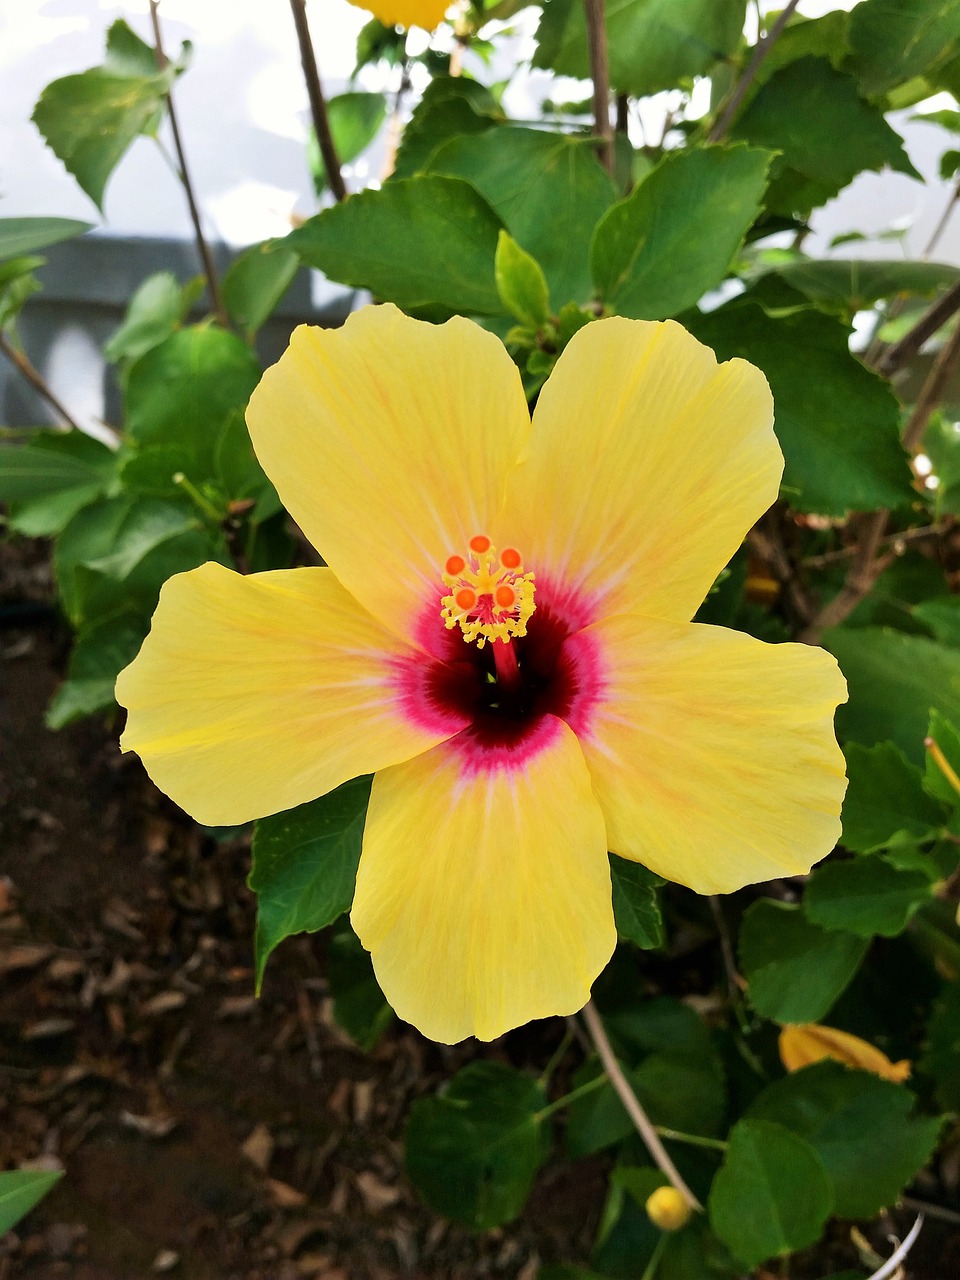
x: 244, y: 112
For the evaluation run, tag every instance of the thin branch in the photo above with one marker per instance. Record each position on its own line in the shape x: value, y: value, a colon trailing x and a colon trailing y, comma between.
x: 945, y: 217
x: 766, y: 539
x: 937, y: 315
x: 739, y: 91
x: 600, y: 74
x: 209, y: 270
x: 864, y: 571
x: 19, y: 360
x: 932, y: 391
x: 893, y: 540
x: 632, y: 1105
x: 318, y: 104
x: 893, y: 1262
x: 395, y: 123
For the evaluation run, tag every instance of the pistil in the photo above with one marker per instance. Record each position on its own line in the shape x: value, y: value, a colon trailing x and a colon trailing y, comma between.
x: 505, y: 662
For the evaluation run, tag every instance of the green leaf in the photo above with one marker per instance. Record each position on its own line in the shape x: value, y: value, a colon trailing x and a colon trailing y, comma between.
x: 885, y: 801
x: 837, y: 423
x: 935, y: 780
x: 17, y: 284
x: 652, y: 44
x: 54, y: 462
x: 942, y: 616
x: 893, y: 680
x: 894, y: 40
x: 101, y: 650
x: 858, y: 283
x: 355, y: 120
x: 153, y: 313
x: 657, y: 252
x: 182, y: 392
x: 116, y: 553
x: 305, y: 866
x: 420, y: 242
x: 20, y: 1190
x: 635, y: 905
x: 239, y: 474
x: 451, y: 107
x: 522, y: 172
x: 359, y: 1005
x: 817, y: 159
x: 20, y: 236
x: 859, y: 1125
x: 866, y: 896
x: 473, y: 1151
x: 521, y: 283
x: 89, y: 120
x: 49, y: 480
x: 772, y: 1196
x: 941, y: 1062
x: 794, y: 969
x: 257, y: 281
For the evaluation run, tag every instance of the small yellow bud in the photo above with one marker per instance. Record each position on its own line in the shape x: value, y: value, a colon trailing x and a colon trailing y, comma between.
x: 667, y: 1209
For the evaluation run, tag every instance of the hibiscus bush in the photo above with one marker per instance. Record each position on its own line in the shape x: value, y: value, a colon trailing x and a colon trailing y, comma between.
x: 553, y: 716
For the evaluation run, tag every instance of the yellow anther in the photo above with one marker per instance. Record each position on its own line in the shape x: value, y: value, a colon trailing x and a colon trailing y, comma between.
x: 490, y: 597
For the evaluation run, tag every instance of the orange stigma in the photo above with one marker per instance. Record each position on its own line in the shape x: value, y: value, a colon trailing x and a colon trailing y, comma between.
x: 490, y: 597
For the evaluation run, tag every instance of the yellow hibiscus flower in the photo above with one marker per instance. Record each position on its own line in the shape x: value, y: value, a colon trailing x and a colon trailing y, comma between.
x: 406, y: 13
x: 503, y: 638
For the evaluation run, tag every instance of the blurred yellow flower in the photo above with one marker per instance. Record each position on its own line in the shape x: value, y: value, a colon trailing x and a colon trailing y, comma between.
x: 503, y: 637
x: 802, y: 1044
x: 406, y: 13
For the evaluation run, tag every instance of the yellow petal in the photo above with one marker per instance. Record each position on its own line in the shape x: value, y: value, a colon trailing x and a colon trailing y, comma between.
x: 647, y: 464
x: 253, y: 694
x: 809, y: 1042
x: 712, y: 754
x: 484, y: 889
x: 389, y: 441
x: 406, y: 13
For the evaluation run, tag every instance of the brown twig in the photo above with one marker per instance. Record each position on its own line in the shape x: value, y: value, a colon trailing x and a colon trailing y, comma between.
x: 318, y: 103
x: 891, y: 539
x: 206, y: 257
x: 20, y: 361
x: 600, y: 74
x: 937, y: 315
x: 739, y: 91
x: 766, y: 539
x: 932, y: 391
x: 631, y: 1104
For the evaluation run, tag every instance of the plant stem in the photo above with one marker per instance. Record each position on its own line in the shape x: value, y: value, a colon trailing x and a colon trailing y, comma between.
x: 739, y: 91
x: 20, y: 361
x: 650, y: 1270
x: 893, y: 1262
x: 590, y: 1087
x: 631, y: 1104
x: 600, y: 74
x: 691, y: 1139
x: 395, y: 123
x: 556, y: 1058
x: 209, y: 270
x: 318, y: 104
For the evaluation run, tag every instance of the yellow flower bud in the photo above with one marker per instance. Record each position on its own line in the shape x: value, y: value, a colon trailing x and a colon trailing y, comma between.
x: 800, y: 1045
x: 667, y: 1209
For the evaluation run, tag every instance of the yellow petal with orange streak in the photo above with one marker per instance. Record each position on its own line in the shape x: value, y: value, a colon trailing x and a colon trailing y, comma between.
x: 389, y: 441
x: 647, y: 464
x: 713, y: 755
x: 483, y: 892
x: 406, y: 13
x: 804, y: 1043
x: 254, y: 694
